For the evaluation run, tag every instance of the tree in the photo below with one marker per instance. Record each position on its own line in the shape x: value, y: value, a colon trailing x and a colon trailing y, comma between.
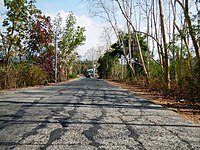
x: 72, y: 37
x: 39, y: 43
x: 185, y: 7
x: 45, y: 61
x: 106, y: 65
x: 166, y: 47
x: 135, y: 55
x: 57, y: 22
x: 16, y: 24
x: 173, y: 51
x: 40, y: 36
x: 124, y: 6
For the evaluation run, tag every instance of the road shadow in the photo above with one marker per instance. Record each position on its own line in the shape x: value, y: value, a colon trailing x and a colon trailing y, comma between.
x: 143, y: 105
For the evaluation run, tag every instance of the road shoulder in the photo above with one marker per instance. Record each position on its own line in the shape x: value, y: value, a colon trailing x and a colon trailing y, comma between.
x: 187, y: 109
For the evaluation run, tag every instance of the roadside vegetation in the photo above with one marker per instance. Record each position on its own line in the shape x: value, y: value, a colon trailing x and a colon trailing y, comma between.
x: 36, y: 49
x: 152, y: 43
x: 157, y: 45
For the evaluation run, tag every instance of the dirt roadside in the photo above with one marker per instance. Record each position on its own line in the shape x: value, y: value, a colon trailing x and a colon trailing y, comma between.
x: 187, y: 109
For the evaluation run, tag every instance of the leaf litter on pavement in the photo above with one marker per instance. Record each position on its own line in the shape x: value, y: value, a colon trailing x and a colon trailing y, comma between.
x: 186, y: 108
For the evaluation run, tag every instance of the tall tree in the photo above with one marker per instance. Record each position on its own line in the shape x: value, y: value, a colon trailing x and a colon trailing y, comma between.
x: 15, y: 23
x: 185, y: 6
x: 106, y: 65
x: 40, y: 35
x: 129, y: 21
x: 57, y: 29
x: 72, y: 37
x: 166, y: 47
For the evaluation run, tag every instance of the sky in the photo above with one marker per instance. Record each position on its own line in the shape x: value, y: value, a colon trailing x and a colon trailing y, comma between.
x: 93, y: 29
x: 92, y: 25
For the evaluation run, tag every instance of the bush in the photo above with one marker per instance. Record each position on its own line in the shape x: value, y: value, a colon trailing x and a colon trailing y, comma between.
x: 7, y: 77
x: 2, y: 77
x: 36, y: 76
x: 22, y: 75
x: 72, y: 76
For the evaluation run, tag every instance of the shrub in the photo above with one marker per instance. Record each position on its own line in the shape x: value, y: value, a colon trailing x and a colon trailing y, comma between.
x: 2, y: 77
x: 72, y: 76
x: 36, y: 76
x: 22, y: 75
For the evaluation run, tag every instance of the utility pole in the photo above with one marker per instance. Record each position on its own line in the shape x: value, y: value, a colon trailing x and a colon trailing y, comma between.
x: 93, y: 62
x: 57, y: 31
x: 56, y: 60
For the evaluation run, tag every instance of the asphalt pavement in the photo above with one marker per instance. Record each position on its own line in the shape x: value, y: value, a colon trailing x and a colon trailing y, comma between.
x: 90, y: 114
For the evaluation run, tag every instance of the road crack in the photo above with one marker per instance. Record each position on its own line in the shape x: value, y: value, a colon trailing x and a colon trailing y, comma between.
x: 93, y: 131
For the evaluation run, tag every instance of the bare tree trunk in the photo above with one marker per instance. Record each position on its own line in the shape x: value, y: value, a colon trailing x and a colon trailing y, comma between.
x: 173, y: 40
x: 127, y: 9
x: 160, y: 51
x: 190, y: 28
x: 137, y: 40
x: 116, y: 30
x: 148, y: 10
x: 198, y: 22
x: 184, y: 38
x: 166, y: 49
x: 122, y: 69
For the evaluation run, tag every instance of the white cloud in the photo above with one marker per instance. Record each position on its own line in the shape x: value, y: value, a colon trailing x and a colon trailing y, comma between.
x: 92, y: 33
x: 1, y: 2
x: 2, y: 10
x: 93, y: 30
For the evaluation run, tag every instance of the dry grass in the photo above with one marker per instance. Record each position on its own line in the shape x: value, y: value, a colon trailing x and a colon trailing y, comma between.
x: 186, y: 108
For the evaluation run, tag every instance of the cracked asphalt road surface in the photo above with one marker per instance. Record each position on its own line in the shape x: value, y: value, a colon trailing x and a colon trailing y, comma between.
x: 90, y: 114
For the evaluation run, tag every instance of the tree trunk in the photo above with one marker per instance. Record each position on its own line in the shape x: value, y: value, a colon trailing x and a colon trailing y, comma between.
x: 191, y: 30
x: 137, y: 41
x: 173, y: 40
x: 160, y: 51
x: 166, y: 49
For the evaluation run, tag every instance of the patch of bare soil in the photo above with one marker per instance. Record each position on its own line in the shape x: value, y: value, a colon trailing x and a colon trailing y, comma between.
x: 186, y: 108
x: 15, y: 90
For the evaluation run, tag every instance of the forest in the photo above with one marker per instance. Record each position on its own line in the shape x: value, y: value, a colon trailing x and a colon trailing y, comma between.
x: 36, y: 49
x: 150, y: 43
x: 157, y: 44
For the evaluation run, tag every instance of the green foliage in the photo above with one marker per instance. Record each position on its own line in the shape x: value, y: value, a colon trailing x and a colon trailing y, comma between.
x: 22, y: 75
x: 16, y: 25
x: 155, y: 69
x: 106, y: 65
x: 29, y: 75
x: 117, y: 51
x: 72, y: 76
x: 135, y: 53
x: 27, y: 35
x: 72, y: 36
x: 184, y: 82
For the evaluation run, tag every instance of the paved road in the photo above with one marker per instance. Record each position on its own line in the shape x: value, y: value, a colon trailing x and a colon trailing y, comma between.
x: 90, y: 114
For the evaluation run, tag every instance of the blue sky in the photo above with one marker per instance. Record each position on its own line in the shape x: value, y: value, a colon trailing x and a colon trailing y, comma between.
x: 78, y: 7
x: 53, y: 7
x: 93, y: 29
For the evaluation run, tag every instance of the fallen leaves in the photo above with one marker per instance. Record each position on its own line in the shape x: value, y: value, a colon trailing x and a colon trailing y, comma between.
x: 186, y: 108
